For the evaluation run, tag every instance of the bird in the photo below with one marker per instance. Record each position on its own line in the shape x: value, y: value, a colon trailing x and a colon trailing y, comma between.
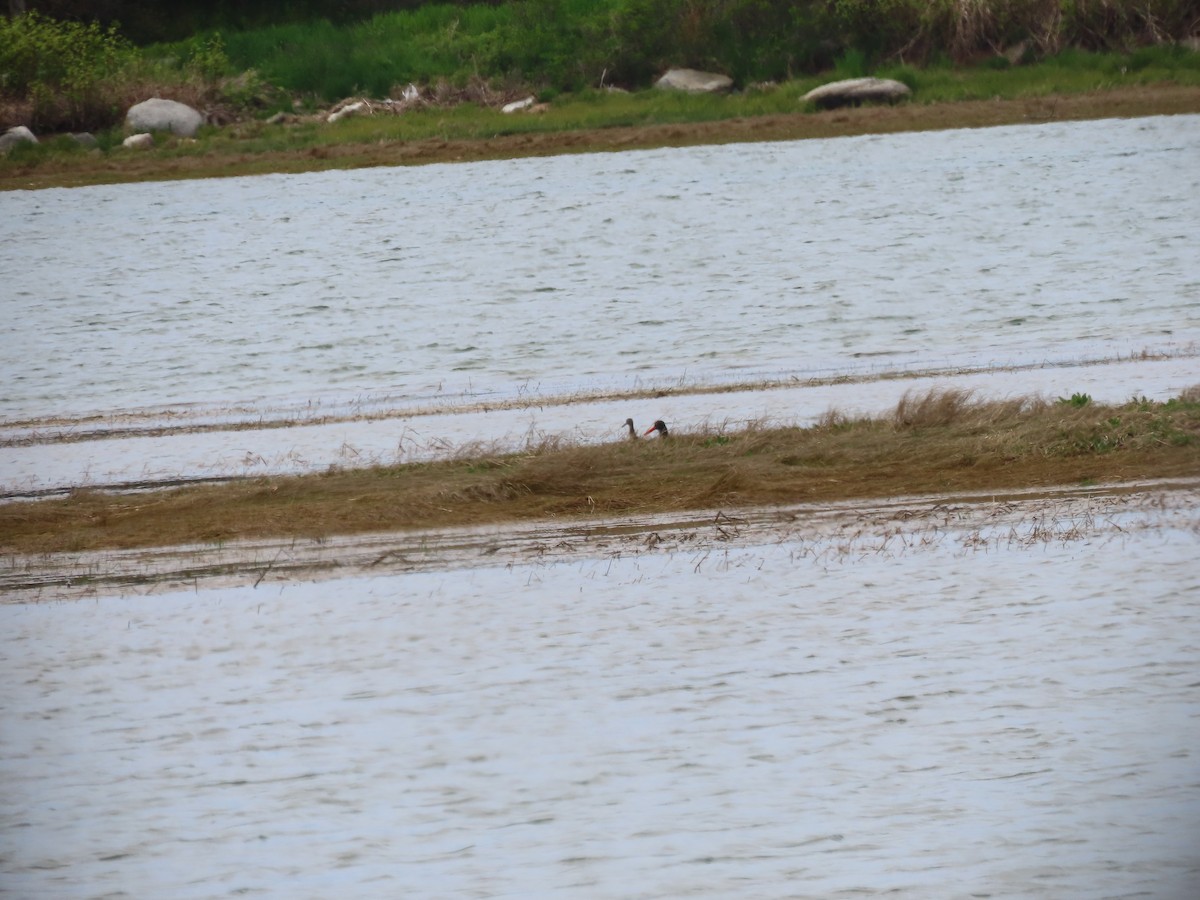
x: 661, y: 427
x: 633, y: 435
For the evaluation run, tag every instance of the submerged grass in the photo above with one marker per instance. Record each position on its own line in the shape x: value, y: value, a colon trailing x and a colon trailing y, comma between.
x: 945, y: 441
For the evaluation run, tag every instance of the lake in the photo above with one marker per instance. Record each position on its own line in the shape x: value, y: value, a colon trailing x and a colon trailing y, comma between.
x: 924, y: 698
x: 982, y: 695
x: 999, y: 246
x: 463, y: 303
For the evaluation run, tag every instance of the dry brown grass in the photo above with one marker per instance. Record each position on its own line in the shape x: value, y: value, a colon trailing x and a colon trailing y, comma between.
x: 939, y: 442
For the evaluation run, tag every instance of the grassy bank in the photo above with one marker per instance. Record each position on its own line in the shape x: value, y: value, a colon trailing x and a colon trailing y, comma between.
x: 941, y: 442
x: 581, y: 126
x: 322, y: 51
x: 456, y: 57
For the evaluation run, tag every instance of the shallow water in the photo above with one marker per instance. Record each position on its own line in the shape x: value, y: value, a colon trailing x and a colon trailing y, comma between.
x: 391, y: 315
x: 993, y: 247
x: 44, y: 461
x: 981, y: 699
x: 929, y: 697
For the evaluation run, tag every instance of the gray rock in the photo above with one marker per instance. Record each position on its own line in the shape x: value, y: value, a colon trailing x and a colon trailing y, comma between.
x: 854, y: 91
x: 164, y: 115
x: 518, y: 105
x: 138, y: 142
x: 84, y: 139
x: 694, y: 82
x: 18, y: 134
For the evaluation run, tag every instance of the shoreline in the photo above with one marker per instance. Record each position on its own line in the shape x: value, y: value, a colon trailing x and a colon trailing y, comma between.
x: 941, y: 443
x: 977, y: 520
x: 702, y: 466
x: 1136, y: 102
x: 153, y: 452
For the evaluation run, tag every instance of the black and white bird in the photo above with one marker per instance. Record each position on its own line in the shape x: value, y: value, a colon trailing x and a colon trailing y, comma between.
x: 661, y: 427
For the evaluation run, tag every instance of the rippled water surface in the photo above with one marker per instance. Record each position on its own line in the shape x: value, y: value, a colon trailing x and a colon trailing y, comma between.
x: 1000, y: 246
x: 925, y: 698
x: 935, y: 700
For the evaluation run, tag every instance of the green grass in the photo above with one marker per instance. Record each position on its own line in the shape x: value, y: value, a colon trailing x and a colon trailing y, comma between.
x: 470, y: 113
x: 367, y: 58
x: 1071, y: 72
x: 56, y: 76
x: 566, y: 45
x: 594, y: 109
x: 1076, y: 400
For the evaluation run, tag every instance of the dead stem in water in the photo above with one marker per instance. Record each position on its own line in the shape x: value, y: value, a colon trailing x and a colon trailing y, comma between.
x: 940, y: 442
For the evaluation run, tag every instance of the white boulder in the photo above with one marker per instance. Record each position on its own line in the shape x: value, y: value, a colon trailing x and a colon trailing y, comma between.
x: 142, y: 141
x: 853, y: 91
x: 18, y: 134
x: 694, y: 82
x: 518, y: 105
x: 164, y: 115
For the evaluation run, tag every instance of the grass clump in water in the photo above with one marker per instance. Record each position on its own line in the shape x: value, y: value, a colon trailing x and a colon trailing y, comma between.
x: 943, y: 441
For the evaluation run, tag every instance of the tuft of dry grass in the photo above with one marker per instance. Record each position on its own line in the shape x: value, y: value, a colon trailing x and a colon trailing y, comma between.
x: 944, y: 441
x: 954, y: 406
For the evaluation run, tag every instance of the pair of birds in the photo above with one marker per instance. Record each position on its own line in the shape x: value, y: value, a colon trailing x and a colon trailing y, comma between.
x: 659, y: 425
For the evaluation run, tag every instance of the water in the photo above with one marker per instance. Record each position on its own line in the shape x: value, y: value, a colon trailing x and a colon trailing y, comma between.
x: 1006, y: 246
x: 930, y: 697
x: 932, y: 700
x: 389, y: 315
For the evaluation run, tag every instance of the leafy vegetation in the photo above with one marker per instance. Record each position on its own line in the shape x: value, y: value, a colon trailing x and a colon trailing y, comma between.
x: 65, y: 76
x: 66, y: 73
x: 569, y: 45
x: 1076, y: 400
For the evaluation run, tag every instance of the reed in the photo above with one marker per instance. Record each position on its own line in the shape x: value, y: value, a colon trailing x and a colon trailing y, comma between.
x: 938, y: 442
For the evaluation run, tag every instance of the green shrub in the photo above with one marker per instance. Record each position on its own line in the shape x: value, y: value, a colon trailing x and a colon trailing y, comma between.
x: 67, y: 70
x: 851, y: 64
x: 749, y: 40
x: 1076, y: 400
x: 68, y: 75
x: 207, y: 57
x: 564, y: 45
x: 370, y: 57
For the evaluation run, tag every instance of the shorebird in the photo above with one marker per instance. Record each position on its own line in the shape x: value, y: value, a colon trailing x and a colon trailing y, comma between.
x: 633, y: 435
x: 661, y: 427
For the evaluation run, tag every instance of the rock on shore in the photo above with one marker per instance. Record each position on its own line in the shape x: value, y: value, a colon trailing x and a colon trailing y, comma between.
x: 694, y: 82
x: 164, y: 115
x: 853, y: 91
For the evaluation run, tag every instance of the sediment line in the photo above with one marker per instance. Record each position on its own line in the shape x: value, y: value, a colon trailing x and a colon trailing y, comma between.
x: 39, y: 432
x: 824, y: 535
